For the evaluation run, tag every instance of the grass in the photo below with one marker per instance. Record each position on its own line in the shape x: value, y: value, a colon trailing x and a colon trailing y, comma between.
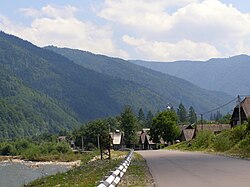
x: 137, y: 173
x: 233, y: 142
x: 86, y: 175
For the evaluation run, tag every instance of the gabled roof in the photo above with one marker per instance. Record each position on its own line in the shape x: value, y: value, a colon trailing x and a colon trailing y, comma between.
x: 116, y: 137
x: 188, y: 134
x: 213, y: 127
x: 245, y: 104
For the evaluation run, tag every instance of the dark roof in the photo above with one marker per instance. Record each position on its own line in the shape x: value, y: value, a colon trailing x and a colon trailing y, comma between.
x: 188, y: 134
x: 213, y: 127
x: 245, y: 104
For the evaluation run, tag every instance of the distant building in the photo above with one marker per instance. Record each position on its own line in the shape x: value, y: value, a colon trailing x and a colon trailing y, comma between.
x: 117, y: 139
x: 244, y: 112
x: 215, y: 128
x: 145, y: 141
x: 187, y: 133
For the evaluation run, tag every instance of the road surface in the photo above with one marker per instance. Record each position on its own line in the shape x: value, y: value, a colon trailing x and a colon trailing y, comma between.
x: 193, y: 169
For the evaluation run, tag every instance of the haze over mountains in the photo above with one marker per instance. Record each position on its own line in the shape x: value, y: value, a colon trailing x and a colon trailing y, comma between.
x: 230, y: 75
x: 43, y: 91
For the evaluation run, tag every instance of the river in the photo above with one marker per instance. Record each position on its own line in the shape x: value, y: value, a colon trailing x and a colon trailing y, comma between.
x: 16, y: 174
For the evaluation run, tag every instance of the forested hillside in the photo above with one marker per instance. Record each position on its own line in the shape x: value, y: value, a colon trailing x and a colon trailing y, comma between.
x: 88, y: 94
x: 24, y: 111
x: 174, y: 90
x: 230, y: 75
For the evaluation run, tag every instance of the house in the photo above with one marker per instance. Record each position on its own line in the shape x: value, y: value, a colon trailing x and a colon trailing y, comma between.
x: 144, y: 140
x: 187, y: 133
x: 244, y: 112
x: 215, y: 128
x: 117, y: 139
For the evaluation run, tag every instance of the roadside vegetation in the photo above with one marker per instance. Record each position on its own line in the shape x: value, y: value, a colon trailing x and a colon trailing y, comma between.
x: 47, y: 149
x: 88, y: 174
x: 137, y: 173
x: 235, y: 142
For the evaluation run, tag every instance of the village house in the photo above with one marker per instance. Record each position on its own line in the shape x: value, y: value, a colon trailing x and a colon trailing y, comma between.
x: 244, y: 112
x: 117, y: 139
x: 215, y: 128
x: 187, y: 133
x: 144, y: 140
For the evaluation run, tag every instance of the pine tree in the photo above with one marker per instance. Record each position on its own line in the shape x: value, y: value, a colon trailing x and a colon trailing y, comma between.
x: 192, y: 118
x: 129, y: 126
x: 182, y: 113
x: 141, y: 115
x: 149, y: 119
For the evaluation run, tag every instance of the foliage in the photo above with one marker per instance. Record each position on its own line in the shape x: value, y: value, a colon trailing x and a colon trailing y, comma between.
x: 89, y: 133
x: 235, y: 141
x: 38, y: 151
x: 248, y: 125
x: 192, y: 118
x: 203, y: 140
x: 149, y: 118
x: 88, y: 174
x: 168, y: 89
x: 222, y: 142
x: 129, y: 126
x: 182, y: 113
x: 225, y: 119
x: 165, y: 127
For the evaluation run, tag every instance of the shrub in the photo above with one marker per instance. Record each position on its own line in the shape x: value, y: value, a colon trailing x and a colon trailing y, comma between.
x: 203, y: 140
x: 244, y: 145
x: 222, y: 142
x: 7, y: 149
x: 238, y: 133
x: 63, y: 148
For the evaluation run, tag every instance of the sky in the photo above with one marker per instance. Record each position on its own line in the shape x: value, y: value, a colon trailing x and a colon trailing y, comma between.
x: 153, y: 30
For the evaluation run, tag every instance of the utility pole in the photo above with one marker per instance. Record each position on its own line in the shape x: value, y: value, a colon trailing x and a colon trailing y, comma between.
x: 98, y: 141
x: 202, y: 122
x: 82, y: 143
x: 239, y: 109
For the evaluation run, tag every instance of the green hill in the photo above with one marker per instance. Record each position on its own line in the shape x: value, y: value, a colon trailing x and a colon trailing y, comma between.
x: 25, y: 112
x: 173, y: 90
x: 88, y: 93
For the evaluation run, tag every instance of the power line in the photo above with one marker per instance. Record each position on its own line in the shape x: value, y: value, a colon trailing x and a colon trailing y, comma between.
x: 215, y: 109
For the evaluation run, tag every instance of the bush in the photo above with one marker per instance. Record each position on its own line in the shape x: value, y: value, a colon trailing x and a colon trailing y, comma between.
x: 222, y: 142
x: 238, y: 133
x: 244, y: 145
x: 63, y: 148
x: 203, y: 140
x: 7, y: 149
x: 33, y: 153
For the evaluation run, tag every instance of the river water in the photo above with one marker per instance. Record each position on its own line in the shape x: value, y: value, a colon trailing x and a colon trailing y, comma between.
x: 14, y: 174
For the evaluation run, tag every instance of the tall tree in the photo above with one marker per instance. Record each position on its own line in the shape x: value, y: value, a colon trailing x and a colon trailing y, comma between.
x: 141, y: 118
x: 182, y: 113
x: 129, y: 126
x: 141, y: 115
x: 192, y: 117
x: 149, y: 118
x: 165, y: 127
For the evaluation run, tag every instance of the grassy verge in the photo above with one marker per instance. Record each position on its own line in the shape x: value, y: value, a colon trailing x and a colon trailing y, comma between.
x: 137, y: 173
x: 86, y: 175
x: 234, y: 142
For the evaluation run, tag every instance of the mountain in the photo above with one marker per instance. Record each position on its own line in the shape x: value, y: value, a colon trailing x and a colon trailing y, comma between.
x: 25, y: 112
x: 173, y: 90
x: 230, y: 75
x: 87, y: 93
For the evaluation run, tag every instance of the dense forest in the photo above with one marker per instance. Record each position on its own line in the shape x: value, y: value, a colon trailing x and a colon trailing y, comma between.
x: 43, y: 91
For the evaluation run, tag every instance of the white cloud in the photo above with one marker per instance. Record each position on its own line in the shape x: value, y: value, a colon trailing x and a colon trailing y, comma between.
x: 50, y: 11
x: 149, y: 14
x: 184, y: 49
x: 58, y: 26
x: 221, y: 29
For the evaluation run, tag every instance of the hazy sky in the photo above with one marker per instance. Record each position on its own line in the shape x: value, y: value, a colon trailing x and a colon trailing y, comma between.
x: 159, y: 30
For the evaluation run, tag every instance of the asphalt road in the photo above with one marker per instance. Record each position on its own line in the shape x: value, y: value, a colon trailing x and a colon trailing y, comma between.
x: 193, y: 169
